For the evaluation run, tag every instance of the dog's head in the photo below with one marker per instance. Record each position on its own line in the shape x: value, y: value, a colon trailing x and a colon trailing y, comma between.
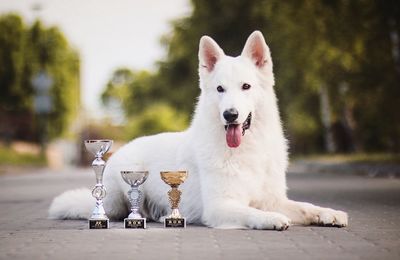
x: 235, y: 83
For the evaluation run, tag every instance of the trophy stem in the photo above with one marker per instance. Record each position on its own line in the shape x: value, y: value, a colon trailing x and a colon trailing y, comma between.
x: 174, y: 199
x: 99, y: 212
x: 98, y: 165
x: 135, y: 195
x: 99, y: 192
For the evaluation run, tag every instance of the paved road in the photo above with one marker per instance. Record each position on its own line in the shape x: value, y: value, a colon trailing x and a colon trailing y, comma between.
x: 373, y: 205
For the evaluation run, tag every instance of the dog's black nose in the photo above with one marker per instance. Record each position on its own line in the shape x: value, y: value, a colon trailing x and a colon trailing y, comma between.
x: 231, y: 115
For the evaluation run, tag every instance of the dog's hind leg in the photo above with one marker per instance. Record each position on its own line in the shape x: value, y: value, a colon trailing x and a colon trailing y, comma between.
x: 306, y: 214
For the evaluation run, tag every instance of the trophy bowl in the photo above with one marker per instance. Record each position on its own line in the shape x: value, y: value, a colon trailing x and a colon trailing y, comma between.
x: 174, y: 178
x: 98, y: 147
x: 134, y: 178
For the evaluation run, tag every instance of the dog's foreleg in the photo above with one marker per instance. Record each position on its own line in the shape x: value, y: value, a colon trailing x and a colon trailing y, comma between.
x: 306, y: 213
x: 231, y: 214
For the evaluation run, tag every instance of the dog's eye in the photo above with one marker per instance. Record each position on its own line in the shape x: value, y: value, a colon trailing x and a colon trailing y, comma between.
x: 246, y: 86
x: 220, y: 89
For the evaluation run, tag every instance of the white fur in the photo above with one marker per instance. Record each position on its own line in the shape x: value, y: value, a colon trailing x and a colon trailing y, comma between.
x: 243, y: 187
x: 65, y: 206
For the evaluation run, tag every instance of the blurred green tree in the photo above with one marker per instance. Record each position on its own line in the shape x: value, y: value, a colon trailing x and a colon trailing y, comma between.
x: 24, y: 52
x: 154, y: 119
x: 337, y: 66
x: 139, y: 96
x: 12, y: 42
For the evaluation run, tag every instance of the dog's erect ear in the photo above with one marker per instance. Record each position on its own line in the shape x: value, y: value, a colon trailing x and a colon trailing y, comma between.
x: 256, y: 49
x: 209, y: 53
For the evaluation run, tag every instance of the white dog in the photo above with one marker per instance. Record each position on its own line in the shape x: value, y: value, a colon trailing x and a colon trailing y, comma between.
x: 235, y: 152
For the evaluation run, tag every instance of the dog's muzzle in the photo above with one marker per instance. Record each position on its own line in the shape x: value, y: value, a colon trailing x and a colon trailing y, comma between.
x: 234, y: 132
x: 246, y: 125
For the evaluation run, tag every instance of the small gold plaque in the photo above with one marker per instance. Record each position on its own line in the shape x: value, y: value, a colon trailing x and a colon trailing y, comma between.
x: 98, y: 223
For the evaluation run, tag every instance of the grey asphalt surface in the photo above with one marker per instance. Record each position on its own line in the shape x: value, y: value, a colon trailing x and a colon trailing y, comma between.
x: 373, y: 205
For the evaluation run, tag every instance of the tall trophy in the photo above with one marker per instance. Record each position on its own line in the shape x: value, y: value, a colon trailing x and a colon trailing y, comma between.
x: 98, y: 148
x: 174, y: 179
x: 134, y: 179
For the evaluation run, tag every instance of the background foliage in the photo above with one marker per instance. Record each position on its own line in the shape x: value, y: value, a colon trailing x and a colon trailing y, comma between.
x: 337, y: 67
x: 24, y: 51
x: 336, y: 62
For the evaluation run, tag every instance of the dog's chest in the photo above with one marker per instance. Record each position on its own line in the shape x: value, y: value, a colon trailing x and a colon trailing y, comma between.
x: 241, y: 179
x: 246, y: 173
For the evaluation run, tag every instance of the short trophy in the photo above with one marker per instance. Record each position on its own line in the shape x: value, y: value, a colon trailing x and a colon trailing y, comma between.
x: 174, y: 179
x: 98, y: 148
x: 134, y: 179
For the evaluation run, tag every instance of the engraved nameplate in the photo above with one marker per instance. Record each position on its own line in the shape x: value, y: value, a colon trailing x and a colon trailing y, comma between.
x: 135, y: 223
x: 98, y: 223
x: 175, y: 223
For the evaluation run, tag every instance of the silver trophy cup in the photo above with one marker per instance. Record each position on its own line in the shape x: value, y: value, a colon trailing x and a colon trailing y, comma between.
x: 134, y: 179
x: 98, y: 148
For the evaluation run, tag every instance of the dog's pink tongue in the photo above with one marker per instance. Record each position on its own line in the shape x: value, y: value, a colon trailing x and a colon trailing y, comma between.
x: 233, y: 136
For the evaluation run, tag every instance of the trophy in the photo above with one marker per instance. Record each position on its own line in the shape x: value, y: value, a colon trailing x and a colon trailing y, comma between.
x: 134, y: 179
x: 174, y: 179
x: 98, y: 148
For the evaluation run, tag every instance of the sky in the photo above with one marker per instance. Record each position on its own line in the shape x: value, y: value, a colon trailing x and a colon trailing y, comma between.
x: 107, y: 33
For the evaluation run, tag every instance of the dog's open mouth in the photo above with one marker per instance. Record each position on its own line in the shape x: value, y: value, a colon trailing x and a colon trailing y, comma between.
x: 234, y: 132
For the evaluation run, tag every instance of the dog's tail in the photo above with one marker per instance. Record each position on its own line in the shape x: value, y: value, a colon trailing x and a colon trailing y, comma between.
x: 72, y: 204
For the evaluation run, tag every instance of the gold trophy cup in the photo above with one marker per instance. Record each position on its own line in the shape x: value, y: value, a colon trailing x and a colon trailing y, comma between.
x: 174, y: 179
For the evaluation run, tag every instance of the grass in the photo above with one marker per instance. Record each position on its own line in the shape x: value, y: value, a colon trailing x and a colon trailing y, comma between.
x: 375, y: 158
x: 10, y: 157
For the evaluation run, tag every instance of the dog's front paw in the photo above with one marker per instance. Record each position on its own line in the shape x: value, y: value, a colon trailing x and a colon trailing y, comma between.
x: 274, y: 221
x: 281, y: 223
x: 333, y: 218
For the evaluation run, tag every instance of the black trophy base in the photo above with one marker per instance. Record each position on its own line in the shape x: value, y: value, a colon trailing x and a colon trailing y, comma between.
x: 135, y: 223
x: 175, y: 223
x: 98, y: 223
